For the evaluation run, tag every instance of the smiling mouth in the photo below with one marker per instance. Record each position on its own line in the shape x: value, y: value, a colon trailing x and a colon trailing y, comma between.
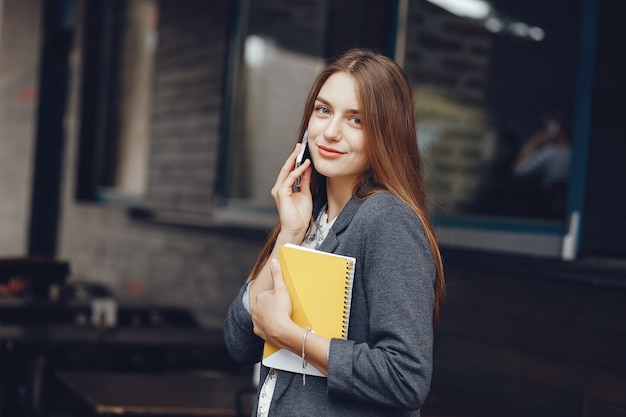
x: 330, y: 150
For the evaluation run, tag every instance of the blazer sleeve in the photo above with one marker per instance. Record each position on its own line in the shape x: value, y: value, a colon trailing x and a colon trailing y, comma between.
x: 393, y: 367
x: 245, y: 347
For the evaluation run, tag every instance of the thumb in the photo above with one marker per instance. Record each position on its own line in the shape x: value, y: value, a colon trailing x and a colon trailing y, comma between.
x: 277, y: 274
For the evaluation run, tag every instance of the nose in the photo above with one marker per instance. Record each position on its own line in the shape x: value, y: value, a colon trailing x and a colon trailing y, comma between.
x: 333, y: 129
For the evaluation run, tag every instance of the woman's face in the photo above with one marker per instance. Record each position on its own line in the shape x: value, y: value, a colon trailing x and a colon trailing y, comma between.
x: 336, y: 139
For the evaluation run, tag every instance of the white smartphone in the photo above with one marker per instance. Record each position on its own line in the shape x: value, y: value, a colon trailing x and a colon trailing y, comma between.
x: 300, y: 158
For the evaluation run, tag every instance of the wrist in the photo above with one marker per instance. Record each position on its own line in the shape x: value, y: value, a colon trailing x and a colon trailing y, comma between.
x: 289, y: 237
x: 288, y: 335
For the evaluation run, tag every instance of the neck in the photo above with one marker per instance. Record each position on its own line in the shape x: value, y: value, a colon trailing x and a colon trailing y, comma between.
x: 338, y: 193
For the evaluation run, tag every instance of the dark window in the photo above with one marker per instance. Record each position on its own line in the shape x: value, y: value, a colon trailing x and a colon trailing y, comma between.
x: 496, y: 88
x: 502, y: 92
x: 118, y: 47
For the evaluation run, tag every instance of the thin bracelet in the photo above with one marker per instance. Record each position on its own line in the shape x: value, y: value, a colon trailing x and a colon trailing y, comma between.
x: 304, y: 362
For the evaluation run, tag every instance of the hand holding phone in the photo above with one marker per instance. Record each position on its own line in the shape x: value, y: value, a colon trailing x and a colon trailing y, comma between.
x: 300, y: 158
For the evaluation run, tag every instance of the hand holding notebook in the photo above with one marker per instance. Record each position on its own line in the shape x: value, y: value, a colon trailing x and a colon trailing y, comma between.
x: 320, y: 287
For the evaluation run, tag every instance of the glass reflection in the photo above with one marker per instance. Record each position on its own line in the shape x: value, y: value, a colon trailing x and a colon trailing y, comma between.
x: 493, y: 93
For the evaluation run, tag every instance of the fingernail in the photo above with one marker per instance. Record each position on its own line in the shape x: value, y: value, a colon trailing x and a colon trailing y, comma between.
x: 274, y: 262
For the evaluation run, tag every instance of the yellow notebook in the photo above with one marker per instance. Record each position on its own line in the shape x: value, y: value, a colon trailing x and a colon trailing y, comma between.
x: 320, y: 286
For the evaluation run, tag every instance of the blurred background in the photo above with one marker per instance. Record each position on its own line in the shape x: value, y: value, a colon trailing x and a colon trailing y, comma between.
x: 139, y: 140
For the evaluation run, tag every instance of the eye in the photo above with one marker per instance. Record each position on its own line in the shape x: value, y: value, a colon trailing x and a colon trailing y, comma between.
x: 322, y: 110
x: 356, y: 120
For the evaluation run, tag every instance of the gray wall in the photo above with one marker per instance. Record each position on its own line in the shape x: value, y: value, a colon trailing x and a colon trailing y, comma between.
x: 19, y: 76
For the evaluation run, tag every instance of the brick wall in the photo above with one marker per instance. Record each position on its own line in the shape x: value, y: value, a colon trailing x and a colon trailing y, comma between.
x: 447, y: 53
x: 297, y: 29
x: 19, y: 76
x: 189, y: 85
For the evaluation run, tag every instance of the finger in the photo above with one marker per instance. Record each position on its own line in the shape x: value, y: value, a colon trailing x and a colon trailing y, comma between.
x: 289, y: 163
x: 286, y: 169
x: 277, y: 274
x: 305, y: 184
x: 295, y: 174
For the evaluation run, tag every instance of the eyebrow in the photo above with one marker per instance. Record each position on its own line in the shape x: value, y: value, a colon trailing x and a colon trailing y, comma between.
x: 325, y: 102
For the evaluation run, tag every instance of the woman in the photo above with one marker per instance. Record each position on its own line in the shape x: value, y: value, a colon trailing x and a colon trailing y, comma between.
x: 361, y: 196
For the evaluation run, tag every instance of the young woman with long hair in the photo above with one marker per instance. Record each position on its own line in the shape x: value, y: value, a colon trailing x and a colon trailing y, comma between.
x: 361, y: 195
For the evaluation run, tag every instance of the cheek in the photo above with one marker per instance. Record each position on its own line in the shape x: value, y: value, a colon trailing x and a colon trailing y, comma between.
x: 315, y: 126
x: 363, y: 155
x: 363, y: 162
x: 359, y: 145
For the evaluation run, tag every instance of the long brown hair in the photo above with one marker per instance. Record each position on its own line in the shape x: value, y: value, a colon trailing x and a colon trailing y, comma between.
x: 387, y: 112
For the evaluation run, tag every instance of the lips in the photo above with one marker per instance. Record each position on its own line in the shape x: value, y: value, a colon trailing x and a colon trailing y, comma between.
x: 329, y: 152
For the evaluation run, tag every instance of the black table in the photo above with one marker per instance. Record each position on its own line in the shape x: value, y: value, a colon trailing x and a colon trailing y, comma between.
x: 39, y: 337
x: 56, y: 334
x: 173, y: 394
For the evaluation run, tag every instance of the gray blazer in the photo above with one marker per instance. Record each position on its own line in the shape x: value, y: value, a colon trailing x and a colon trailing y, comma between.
x: 385, y: 366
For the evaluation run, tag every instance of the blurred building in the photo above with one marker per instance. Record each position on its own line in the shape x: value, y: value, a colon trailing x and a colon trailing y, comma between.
x: 139, y: 140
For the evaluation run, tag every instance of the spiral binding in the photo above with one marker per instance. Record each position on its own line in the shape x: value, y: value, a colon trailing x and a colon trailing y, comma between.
x: 347, y: 301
